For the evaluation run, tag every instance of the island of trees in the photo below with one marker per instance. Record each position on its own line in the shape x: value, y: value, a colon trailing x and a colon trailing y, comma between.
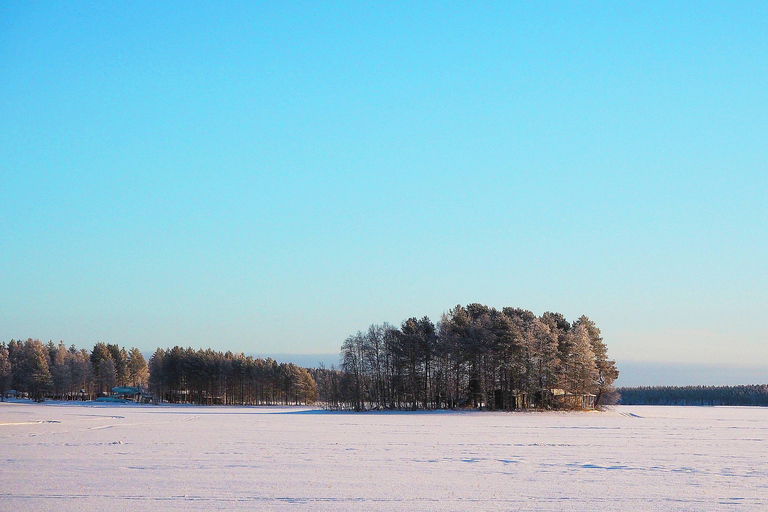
x: 476, y: 356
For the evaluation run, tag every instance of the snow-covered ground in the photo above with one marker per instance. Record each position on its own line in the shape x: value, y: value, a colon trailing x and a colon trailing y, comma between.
x: 75, y: 457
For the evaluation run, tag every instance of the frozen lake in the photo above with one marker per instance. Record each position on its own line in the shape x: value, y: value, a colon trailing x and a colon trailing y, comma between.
x: 74, y: 457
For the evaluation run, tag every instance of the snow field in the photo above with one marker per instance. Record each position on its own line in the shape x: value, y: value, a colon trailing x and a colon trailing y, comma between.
x: 75, y: 457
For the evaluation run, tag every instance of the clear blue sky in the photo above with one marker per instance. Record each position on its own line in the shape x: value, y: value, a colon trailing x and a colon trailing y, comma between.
x: 272, y: 177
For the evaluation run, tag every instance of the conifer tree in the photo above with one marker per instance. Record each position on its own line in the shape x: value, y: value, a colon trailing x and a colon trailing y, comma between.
x: 39, y: 375
x: 138, y: 372
x: 5, y: 371
x: 607, y: 372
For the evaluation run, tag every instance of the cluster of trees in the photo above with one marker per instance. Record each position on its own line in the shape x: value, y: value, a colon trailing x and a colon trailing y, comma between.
x: 176, y: 375
x: 61, y: 372
x: 695, y: 395
x: 181, y: 375
x: 476, y: 356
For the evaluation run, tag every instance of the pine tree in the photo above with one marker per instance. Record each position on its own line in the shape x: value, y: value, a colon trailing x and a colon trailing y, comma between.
x: 107, y: 375
x: 39, y: 375
x: 138, y: 372
x: 61, y: 370
x: 607, y: 372
x: 5, y: 371
x: 582, y: 371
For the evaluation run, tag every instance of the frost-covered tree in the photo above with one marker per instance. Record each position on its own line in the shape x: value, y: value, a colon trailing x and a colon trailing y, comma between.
x: 61, y: 371
x: 581, y: 376
x: 37, y: 372
x: 81, y: 371
x: 138, y: 372
x: 607, y: 372
x: 541, y: 348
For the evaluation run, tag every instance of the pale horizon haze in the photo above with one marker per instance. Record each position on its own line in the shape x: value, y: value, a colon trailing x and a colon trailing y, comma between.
x: 271, y: 177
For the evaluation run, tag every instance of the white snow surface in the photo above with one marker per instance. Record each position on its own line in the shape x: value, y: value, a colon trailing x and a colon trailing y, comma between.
x: 77, y: 457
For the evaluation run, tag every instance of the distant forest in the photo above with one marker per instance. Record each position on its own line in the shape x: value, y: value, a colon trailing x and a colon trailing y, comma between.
x: 695, y: 395
x: 175, y: 375
x: 477, y: 357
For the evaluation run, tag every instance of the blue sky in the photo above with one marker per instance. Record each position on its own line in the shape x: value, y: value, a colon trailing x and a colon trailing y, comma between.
x: 267, y: 177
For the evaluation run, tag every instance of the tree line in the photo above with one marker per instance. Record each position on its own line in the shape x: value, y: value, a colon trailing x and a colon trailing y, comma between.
x: 695, y: 395
x: 176, y: 375
x: 67, y: 373
x: 225, y: 378
x: 476, y: 356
